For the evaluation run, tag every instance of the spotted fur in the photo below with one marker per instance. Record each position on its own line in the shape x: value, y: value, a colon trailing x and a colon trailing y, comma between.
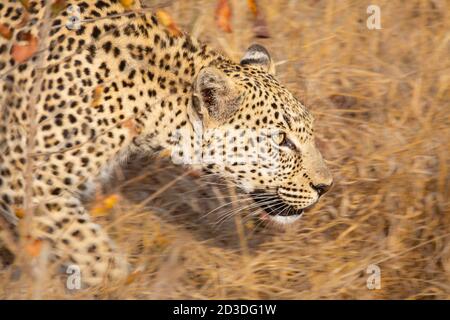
x: 124, y: 84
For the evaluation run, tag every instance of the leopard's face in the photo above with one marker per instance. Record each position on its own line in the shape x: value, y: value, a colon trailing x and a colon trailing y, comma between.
x: 259, y: 136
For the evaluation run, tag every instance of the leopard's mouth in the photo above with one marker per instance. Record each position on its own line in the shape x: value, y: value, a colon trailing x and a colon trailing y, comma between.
x: 275, y: 206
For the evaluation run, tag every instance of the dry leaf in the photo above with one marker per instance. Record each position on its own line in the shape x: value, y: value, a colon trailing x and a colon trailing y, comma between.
x: 34, y: 247
x: 252, y: 6
x: 127, y: 4
x: 132, y: 276
x: 223, y: 15
x: 98, y: 91
x: 195, y: 173
x: 5, y: 32
x: 130, y: 124
x: 19, y: 212
x: 111, y: 201
x: 168, y: 22
x: 104, y: 205
x: 166, y: 153
x: 22, y: 52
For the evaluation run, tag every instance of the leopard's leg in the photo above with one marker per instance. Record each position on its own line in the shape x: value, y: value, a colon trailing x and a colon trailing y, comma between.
x: 78, y: 241
x: 8, y: 238
x: 60, y: 218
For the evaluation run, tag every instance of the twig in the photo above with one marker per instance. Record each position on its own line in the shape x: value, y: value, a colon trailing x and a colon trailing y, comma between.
x: 32, y: 130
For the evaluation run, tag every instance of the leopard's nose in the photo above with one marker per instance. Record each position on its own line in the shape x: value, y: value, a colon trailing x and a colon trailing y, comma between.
x: 322, y: 188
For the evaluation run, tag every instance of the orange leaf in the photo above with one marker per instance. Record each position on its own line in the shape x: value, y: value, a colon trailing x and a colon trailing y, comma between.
x: 127, y: 4
x: 5, y: 32
x: 166, y: 153
x: 98, y: 91
x: 98, y: 211
x: 34, y: 247
x: 22, y: 52
x: 252, y: 6
x: 168, y: 22
x: 132, y: 276
x: 195, y: 173
x: 104, y: 205
x: 130, y: 124
x: 223, y: 15
x: 111, y: 201
x: 19, y: 212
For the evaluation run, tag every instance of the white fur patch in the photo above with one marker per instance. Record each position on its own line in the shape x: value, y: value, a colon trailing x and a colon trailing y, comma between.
x: 285, y: 219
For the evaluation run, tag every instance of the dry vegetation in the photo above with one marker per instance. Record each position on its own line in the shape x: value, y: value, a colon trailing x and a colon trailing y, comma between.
x: 381, y: 102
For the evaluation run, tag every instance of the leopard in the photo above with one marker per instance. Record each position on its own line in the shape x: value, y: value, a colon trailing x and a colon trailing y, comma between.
x: 102, y: 81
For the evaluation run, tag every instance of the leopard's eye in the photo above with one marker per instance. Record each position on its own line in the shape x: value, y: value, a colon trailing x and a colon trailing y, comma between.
x: 288, y: 143
x: 279, y: 138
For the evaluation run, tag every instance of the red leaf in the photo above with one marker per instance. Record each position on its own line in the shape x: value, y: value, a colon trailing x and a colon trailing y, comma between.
x: 223, y: 15
x: 22, y: 52
x: 5, y: 32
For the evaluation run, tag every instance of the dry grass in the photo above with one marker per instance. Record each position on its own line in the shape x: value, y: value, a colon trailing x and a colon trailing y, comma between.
x: 381, y: 102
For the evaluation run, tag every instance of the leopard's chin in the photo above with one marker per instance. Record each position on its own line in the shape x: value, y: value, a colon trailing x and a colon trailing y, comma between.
x: 284, y: 220
x: 276, y: 210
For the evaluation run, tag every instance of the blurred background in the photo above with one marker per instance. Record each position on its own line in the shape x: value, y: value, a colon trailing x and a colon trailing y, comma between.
x: 381, y: 102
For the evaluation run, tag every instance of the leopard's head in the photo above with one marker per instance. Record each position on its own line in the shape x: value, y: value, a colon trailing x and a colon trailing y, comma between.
x: 258, y: 135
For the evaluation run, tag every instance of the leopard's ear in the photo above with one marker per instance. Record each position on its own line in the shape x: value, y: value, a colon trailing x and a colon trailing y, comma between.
x: 215, y: 96
x: 257, y: 55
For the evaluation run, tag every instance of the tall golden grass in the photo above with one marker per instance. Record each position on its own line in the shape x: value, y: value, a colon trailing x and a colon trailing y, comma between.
x: 381, y: 103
